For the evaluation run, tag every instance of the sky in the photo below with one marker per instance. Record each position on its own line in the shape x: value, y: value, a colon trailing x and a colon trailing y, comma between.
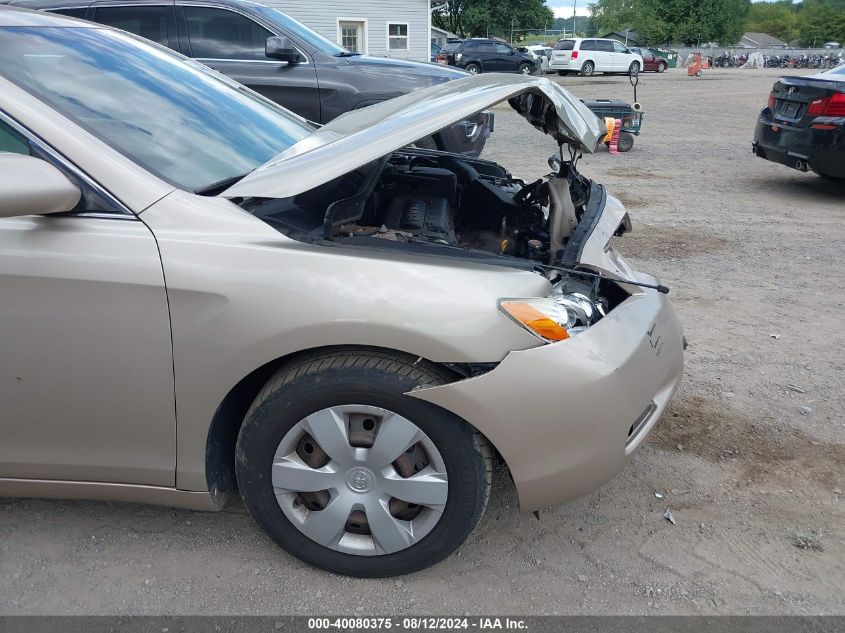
x: 563, y: 9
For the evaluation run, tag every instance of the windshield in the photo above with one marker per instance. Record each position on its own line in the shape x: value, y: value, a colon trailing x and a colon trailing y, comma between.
x: 176, y: 119
x: 299, y: 31
x: 564, y: 45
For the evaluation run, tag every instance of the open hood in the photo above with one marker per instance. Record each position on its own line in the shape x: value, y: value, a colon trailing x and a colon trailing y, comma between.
x: 358, y: 137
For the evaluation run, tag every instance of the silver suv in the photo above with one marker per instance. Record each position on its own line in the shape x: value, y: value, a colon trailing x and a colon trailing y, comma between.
x: 592, y: 55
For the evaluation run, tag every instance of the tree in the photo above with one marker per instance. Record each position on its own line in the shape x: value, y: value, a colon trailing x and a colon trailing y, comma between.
x: 474, y: 18
x: 613, y: 15
x: 775, y: 18
x: 821, y: 21
x: 689, y: 21
x: 584, y: 25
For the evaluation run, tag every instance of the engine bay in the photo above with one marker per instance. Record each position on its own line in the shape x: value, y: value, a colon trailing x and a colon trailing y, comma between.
x: 425, y: 198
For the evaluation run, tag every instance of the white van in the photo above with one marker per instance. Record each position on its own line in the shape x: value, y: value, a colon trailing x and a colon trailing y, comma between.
x: 591, y: 55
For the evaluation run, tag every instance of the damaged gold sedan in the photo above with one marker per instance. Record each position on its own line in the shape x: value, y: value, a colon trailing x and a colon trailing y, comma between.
x: 204, y: 294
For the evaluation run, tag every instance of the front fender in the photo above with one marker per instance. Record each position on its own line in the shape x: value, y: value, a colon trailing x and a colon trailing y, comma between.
x: 242, y: 295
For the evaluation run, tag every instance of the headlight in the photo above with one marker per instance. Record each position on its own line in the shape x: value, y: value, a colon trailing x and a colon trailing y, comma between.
x: 553, y: 318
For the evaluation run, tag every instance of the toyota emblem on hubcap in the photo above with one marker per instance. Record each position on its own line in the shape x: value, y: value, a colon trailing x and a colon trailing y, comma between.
x: 360, y: 480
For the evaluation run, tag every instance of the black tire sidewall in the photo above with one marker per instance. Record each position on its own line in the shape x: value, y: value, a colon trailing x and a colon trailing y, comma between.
x: 634, y: 69
x: 661, y: 67
x: 589, y: 65
x: 477, y: 69
x: 267, y: 424
x: 627, y: 139
x: 523, y: 66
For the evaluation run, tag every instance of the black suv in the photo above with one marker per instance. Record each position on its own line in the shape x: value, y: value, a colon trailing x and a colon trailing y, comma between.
x: 487, y: 56
x: 277, y: 56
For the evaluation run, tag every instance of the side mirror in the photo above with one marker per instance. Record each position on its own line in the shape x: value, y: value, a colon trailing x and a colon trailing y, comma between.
x: 281, y: 48
x: 31, y: 186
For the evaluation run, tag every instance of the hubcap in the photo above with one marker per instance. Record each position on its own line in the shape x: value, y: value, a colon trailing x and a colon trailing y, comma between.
x: 360, y: 480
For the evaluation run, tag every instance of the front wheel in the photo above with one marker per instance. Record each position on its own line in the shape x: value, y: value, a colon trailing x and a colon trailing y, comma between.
x: 634, y: 69
x: 473, y: 69
x: 588, y: 69
x: 661, y: 67
x: 526, y: 69
x: 349, y: 474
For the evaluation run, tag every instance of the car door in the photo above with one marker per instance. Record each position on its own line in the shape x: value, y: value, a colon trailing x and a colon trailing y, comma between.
x: 622, y: 57
x: 86, y: 364
x: 507, y: 59
x: 233, y: 43
x: 605, y: 57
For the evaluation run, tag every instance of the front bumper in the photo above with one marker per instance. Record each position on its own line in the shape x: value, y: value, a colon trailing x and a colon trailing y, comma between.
x: 567, y: 417
x: 822, y: 150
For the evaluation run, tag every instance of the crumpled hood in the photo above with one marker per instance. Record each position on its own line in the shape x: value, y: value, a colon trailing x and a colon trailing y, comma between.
x: 358, y: 137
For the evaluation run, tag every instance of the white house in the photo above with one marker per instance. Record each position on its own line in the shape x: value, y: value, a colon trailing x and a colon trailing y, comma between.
x: 385, y: 28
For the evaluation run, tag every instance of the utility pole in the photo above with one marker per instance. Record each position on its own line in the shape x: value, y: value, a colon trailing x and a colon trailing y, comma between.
x: 573, y: 17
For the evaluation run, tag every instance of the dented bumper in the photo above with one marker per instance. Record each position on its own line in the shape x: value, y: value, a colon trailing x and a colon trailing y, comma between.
x: 566, y: 417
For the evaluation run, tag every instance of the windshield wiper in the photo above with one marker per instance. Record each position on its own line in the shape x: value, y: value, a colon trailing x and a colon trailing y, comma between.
x: 221, y: 185
x: 346, y: 54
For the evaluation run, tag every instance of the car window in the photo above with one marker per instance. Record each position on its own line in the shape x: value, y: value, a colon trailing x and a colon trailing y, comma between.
x: 486, y: 48
x: 150, y: 22
x: 71, y: 12
x: 13, y: 142
x: 298, y: 31
x: 588, y: 45
x: 565, y: 45
x: 503, y: 49
x: 605, y: 46
x: 222, y: 34
x: 179, y: 120
x: 619, y: 47
x: 452, y: 47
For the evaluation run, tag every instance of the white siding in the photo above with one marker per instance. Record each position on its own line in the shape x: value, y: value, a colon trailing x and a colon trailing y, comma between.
x: 322, y: 16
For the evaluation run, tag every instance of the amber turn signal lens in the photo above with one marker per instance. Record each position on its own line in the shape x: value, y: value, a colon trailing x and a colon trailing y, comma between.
x: 534, y: 320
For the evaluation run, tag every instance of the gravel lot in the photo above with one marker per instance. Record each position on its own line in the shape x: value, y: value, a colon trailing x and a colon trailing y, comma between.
x: 753, y: 252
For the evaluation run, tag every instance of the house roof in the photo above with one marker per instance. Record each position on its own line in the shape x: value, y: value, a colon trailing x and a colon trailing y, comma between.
x: 629, y: 34
x: 443, y: 32
x: 761, y: 40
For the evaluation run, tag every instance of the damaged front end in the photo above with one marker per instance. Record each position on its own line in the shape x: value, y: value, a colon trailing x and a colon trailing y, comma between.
x: 430, y: 203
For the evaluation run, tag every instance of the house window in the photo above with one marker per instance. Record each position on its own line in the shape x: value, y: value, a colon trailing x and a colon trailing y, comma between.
x: 397, y: 37
x: 351, y: 35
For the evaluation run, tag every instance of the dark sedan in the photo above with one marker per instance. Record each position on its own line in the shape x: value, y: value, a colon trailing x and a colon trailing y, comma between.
x: 278, y: 57
x: 803, y: 124
x: 652, y: 62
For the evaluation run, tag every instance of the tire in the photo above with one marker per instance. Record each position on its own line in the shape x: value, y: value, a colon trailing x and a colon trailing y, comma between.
x: 634, y: 69
x: 661, y: 67
x: 626, y: 142
x: 473, y: 69
x: 374, y: 383
x: 588, y: 69
x: 526, y: 69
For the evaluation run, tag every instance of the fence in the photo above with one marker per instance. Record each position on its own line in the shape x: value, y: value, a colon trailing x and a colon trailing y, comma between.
x: 684, y: 52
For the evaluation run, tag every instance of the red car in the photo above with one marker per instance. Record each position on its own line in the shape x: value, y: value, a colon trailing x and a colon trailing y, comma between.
x: 652, y: 61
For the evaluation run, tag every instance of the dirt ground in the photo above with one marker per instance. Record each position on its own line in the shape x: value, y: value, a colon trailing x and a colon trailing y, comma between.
x: 750, y: 457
